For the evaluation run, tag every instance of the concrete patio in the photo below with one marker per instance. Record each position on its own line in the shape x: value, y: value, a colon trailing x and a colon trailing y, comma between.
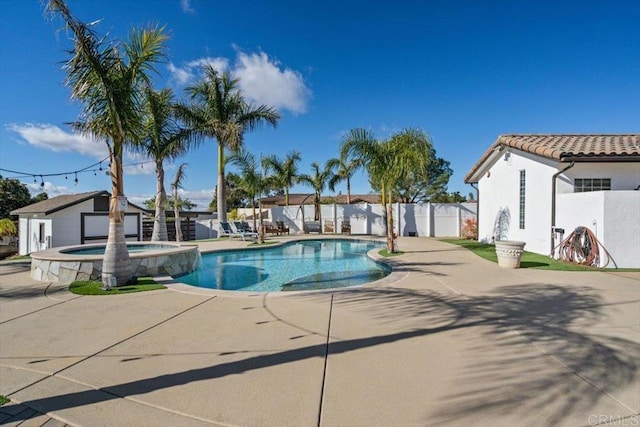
x: 447, y: 339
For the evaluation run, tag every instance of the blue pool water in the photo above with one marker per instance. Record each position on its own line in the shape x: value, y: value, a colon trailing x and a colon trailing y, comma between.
x: 99, y: 250
x: 303, y: 265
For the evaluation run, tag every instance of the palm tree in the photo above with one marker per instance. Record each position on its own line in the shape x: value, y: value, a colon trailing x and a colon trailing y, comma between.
x: 108, y: 79
x: 284, y: 171
x: 162, y: 138
x: 344, y: 167
x: 318, y: 181
x: 253, y: 183
x: 175, y: 185
x: 220, y: 111
x: 388, y: 162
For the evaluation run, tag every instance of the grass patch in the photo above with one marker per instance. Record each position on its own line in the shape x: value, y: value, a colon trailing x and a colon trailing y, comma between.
x: 94, y: 287
x: 529, y: 259
x: 385, y: 253
x: 19, y: 257
x: 3, y: 400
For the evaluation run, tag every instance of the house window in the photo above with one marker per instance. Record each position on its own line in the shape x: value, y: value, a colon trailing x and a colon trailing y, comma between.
x: 41, y: 236
x: 522, y: 199
x: 581, y: 185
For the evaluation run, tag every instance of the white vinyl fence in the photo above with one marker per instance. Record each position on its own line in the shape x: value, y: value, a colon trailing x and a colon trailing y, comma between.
x: 424, y: 220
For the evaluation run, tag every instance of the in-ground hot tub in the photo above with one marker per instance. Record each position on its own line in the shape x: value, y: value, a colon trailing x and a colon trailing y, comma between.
x: 84, y: 262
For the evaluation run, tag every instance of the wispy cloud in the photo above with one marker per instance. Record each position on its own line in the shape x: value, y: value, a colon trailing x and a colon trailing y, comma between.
x: 53, y: 138
x: 263, y: 80
x: 201, y: 198
x: 49, y: 188
x: 186, y: 6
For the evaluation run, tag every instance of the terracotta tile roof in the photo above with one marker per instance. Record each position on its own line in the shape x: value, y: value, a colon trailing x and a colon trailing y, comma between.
x: 57, y: 203
x: 579, y: 148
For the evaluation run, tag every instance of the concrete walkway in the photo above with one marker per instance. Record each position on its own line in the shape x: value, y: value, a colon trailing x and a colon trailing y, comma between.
x: 447, y: 339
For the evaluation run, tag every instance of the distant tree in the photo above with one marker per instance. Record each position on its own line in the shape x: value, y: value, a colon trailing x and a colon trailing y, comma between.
x: 454, y: 197
x: 345, y: 166
x: 183, y: 204
x: 318, y: 180
x: 253, y: 182
x: 39, y: 197
x: 13, y: 195
x: 8, y: 228
x: 237, y: 197
x: 284, y: 171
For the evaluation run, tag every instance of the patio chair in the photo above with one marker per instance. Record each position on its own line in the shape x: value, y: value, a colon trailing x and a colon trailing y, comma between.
x: 281, y: 227
x: 236, y: 228
x: 246, y: 227
x: 328, y: 226
x: 346, y: 227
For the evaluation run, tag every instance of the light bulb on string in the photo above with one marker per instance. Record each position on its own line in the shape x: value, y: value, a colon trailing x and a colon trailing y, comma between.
x: 76, y: 179
x: 34, y: 179
x: 41, y: 182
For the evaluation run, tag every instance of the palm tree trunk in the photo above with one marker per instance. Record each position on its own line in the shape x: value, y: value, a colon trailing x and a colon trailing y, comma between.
x: 286, y: 196
x: 390, y: 237
x: 116, y: 262
x: 261, y: 230
x: 348, y: 191
x: 176, y: 214
x: 253, y: 207
x: 160, y: 220
x: 222, y: 199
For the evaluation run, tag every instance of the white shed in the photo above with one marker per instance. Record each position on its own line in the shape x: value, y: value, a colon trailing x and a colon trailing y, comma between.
x: 532, y: 187
x: 71, y: 219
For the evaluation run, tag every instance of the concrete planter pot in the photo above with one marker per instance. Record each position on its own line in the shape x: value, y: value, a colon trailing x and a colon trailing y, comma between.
x: 509, y: 253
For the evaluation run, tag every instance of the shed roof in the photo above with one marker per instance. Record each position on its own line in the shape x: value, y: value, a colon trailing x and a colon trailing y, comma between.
x: 567, y: 147
x: 57, y: 203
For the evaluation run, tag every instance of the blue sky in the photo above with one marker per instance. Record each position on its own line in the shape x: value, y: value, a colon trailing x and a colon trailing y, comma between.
x: 463, y: 71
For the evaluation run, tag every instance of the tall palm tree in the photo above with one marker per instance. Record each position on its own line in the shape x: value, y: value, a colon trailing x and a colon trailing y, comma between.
x: 253, y: 183
x: 108, y: 79
x: 318, y: 181
x: 162, y: 138
x: 284, y: 171
x: 218, y: 110
x: 345, y: 166
x: 176, y: 184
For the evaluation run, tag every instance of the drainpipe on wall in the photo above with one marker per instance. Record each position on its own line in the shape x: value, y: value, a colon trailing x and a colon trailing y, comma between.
x: 553, y: 205
x: 477, y: 207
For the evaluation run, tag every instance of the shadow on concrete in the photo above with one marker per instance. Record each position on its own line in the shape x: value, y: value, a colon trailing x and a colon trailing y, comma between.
x: 504, y: 373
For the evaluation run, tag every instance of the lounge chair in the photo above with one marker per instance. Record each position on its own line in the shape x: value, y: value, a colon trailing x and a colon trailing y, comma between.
x: 237, y: 229
x: 225, y: 229
x: 281, y: 227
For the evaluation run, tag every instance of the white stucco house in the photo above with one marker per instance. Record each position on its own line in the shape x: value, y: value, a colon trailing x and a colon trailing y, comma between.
x: 71, y: 219
x: 533, y: 187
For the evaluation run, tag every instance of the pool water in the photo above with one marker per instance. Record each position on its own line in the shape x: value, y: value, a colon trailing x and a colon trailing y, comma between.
x: 303, y: 265
x: 99, y: 250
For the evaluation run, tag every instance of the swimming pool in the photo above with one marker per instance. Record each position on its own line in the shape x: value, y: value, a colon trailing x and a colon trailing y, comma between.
x: 295, y: 266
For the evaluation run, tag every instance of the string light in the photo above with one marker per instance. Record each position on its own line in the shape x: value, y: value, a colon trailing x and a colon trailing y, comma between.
x: 95, y: 167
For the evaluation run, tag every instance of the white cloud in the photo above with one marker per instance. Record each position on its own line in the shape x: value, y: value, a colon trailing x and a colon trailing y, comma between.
x: 44, y: 135
x: 49, y: 188
x: 191, y: 71
x: 262, y: 79
x: 186, y: 6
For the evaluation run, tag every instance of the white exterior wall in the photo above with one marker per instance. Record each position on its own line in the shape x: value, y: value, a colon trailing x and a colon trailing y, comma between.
x: 624, y: 176
x: 29, y: 234
x: 500, y: 189
x: 611, y: 215
x: 66, y: 224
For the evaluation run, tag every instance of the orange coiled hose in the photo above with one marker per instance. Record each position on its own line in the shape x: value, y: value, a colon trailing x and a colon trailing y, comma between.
x: 583, y: 247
